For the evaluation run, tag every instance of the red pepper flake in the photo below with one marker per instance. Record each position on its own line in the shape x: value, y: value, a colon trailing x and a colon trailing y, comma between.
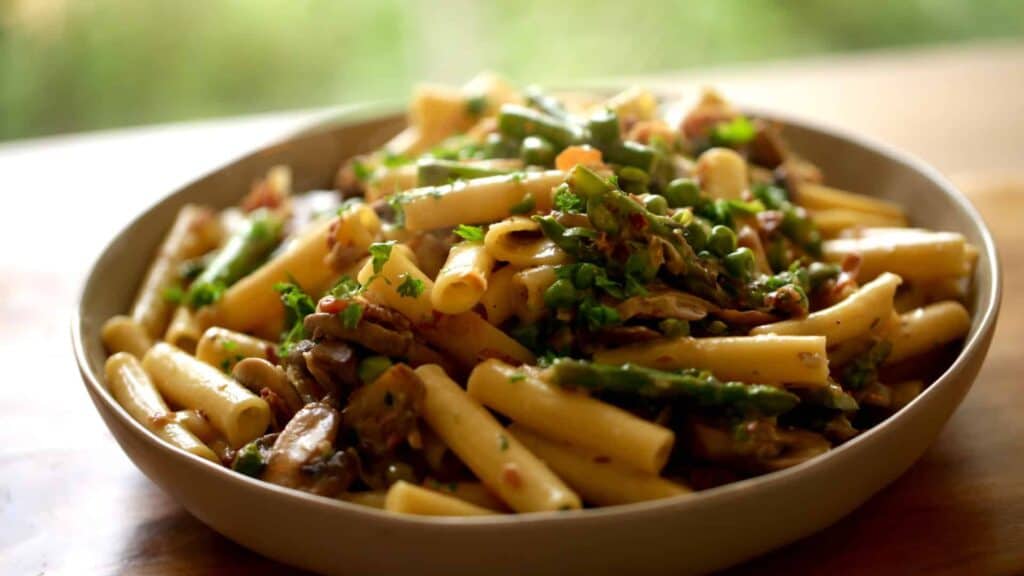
x: 510, y: 475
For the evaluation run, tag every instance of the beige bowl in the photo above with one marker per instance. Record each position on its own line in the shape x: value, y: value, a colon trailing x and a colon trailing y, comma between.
x: 691, y: 534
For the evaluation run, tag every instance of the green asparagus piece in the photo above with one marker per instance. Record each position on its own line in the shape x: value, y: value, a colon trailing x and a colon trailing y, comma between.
x: 519, y: 122
x: 796, y: 224
x: 537, y: 151
x: 242, y: 254
x: 436, y: 172
x: 604, y: 127
x: 695, y: 385
x: 573, y: 244
x: 630, y: 154
x: 547, y: 104
x: 831, y: 396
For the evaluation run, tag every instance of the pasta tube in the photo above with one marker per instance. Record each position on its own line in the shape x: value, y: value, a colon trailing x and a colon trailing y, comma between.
x: 370, y: 498
x: 195, y: 232
x: 913, y: 255
x: 356, y: 228
x: 598, y: 479
x: 757, y: 359
x: 383, y: 286
x: 472, y: 492
x: 123, y: 334
x: 500, y: 461
x: 134, y: 391
x: 252, y: 305
x: 462, y: 280
x: 406, y: 498
x: 819, y: 197
x: 571, y: 417
x: 223, y: 348
x: 469, y: 339
x: 532, y: 283
x: 234, y: 411
x: 853, y: 317
x: 520, y: 242
x: 927, y: 328
x: 499, y: 299
x: 478, y: 201
x: 184, y: 330
x: 833, y: 221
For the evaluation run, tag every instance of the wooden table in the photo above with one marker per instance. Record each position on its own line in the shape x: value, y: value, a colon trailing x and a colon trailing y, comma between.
x: 71, y: 502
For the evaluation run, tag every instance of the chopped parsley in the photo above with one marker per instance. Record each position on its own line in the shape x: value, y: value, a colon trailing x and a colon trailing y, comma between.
x: 173, y: 294
x: 347, y: 287
x: 410, y: 287
x: 524, y: 206
x: 502, y: 442
x: 470, y: 233
x: 380, y: 253
x: 361, y: 171
x: 351, y: 315
x: 517, y: 377
x: 566, y: 201
x: 735, y: 132
x: 297, y: 305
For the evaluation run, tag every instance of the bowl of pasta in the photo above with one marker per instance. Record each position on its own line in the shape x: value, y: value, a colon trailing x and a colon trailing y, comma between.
x: 530, y: 332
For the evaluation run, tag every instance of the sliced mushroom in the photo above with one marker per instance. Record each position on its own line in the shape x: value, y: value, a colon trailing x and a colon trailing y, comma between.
x: 257, y: 374
x: 307, y: 439
x: 667, y: 304
x: 334, y: 365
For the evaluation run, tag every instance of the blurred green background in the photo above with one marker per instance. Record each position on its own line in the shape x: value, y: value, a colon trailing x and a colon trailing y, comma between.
x: 69, y: 65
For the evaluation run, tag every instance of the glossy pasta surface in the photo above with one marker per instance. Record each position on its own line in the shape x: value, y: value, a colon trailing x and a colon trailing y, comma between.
x: 532, y: 302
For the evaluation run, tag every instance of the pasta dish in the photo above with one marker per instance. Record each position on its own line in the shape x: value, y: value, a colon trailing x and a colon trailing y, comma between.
x: 529, y: 301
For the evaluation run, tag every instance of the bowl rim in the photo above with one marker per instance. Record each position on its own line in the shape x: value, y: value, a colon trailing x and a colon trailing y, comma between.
x: 337, y: 118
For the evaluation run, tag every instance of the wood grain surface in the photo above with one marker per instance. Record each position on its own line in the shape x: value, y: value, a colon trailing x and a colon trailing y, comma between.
x: 72, y: 503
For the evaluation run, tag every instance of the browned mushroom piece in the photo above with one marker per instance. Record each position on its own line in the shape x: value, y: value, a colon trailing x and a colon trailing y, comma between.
x: 334, y: 365
x: 756, y: 446
x: 257, y: 374
x: 303, y: 456
x: 767, y: 149
x: 384, y: 413
x: 665, y: 304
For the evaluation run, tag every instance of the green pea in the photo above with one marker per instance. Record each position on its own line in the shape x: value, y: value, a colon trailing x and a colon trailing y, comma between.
x: 372, y: 367
x: 674, y: 328
x: 740, y: 263
x: 819, y: 272
x: 498, y: 146
x: 537, y: 151
x: 717, y: 327
x: 682, y: 192
x: 633, y: 174
x: 585, y: 275
x: 696, y: 235
x: 722, y: 240
x: 561, y: 294
x: 656, y: 204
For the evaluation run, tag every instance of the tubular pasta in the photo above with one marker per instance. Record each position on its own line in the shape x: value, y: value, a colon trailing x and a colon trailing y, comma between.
x: 195, y: 232
x: 407, y: 498
x: 519, y: 241
x: 234, y: 411
x: 853, y: 317
x: 462, y: 280
x: 183, y: 331
x: 134, y: 391
x: 478, y: 201
x: 768, y: 359
x: 382, y: 287
x: 910, y: 254
x: 123, y: 334
x: 503, y: 464
x: 819, y: 197
x: 223, y: 348
x: 571, y: 417
x: 499, y: 301
x: 598, y: 480
x: 927, y: 328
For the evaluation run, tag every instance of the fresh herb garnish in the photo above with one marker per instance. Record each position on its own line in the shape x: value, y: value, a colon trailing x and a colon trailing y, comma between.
x: 297, y: 305
x: 524, y: 206
x: 173, y: 294
x: 470, y: 233
x: 566, y: 201
x: 351, y: 315
x: 410, y: 287
x: 735, y: 132
x: 380, y: 253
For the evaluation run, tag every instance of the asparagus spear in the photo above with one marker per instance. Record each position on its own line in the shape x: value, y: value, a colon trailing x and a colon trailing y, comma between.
x: 545, y: 103
x: 695, y: 385
x: 242, y: 253
x: 831, y: 396
x: 519, y: 122
x: 436, y: 172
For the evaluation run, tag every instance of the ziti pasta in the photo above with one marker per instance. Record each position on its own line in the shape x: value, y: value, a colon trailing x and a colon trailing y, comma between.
x: 530, y: 303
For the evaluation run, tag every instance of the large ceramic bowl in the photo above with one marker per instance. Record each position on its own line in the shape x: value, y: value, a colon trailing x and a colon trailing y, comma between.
x: 689, y: 534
